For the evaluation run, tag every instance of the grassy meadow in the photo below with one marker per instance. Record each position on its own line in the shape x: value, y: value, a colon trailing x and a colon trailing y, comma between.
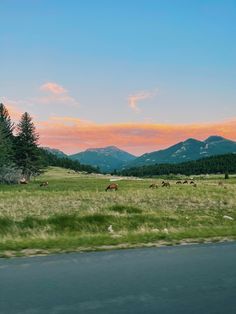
x: 73, y: 213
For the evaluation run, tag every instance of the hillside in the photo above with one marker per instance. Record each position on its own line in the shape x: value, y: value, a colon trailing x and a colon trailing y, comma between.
x: 209, y: 165
x: 55, y: 152
x: 191, y: 149
x: 107, y: 159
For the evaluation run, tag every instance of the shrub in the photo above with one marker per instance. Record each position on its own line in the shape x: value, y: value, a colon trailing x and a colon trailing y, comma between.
x: 9, y: 174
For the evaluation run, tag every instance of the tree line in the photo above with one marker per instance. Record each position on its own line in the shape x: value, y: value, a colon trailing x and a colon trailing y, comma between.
x: 210, y: 165
x: 20, y: 154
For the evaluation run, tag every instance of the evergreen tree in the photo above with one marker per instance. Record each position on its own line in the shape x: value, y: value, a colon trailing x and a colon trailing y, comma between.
x: 4, y: 148
x: 5, y: 121
x: 6, y: 136
x: 27, y: 151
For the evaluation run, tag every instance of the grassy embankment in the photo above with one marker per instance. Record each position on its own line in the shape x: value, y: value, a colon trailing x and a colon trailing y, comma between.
x: 74, y: 213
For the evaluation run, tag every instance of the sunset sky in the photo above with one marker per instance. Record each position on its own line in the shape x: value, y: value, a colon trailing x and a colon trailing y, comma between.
x: 138, y: 74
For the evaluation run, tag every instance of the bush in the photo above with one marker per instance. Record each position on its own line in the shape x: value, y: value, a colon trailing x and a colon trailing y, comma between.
x: 9, y: 174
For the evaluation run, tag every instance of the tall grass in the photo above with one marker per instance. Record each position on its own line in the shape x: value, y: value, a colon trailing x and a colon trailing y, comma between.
x: 75, y: 212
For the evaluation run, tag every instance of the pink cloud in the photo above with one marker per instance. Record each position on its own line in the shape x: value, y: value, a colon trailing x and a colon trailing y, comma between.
x: 133, y: 99
x: 72, y: 135
x: 53, y: 88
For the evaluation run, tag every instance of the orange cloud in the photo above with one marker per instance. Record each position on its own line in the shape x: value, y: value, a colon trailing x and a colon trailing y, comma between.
x: 53, y: 88
x: 73, y: 135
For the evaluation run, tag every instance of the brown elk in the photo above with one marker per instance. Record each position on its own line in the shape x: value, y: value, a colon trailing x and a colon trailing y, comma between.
x: 165, y: 184
x: 185, y: 182
x: 153, y: 186
x: 112, y: 186
x: 178, y: 182
x: 192, y: 182
x: 44, y: 183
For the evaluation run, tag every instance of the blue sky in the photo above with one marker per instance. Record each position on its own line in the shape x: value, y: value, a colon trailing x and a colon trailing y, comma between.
x: 173, y: 60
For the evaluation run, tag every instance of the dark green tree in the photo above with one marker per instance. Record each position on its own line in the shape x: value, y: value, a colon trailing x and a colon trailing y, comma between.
x: 5, y: 121
x: 6, y: 137
x: 5, y: 153
x: 28, y: 157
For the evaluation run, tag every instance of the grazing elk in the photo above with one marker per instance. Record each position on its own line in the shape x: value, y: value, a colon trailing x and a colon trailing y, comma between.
x: 178, y: 182
x: 44, y: 183
x: 185, y: 182
x: 192, y: 182
x: 153, y: 186
x: 165, y: 184
x: 112, y: 187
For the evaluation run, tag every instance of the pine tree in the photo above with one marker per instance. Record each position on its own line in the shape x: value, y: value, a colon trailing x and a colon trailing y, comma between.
x: 5, y: 121
x: 4, y: 150
x: 27, y: 151
x: 6, y: 136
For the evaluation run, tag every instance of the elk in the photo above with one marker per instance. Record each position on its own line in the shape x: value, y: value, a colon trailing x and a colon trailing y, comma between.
x: 185, y: 182
x: 153, y: 186
x: 178, y: 182
x: 112, y: 186
x: 165, y: 184
x: 192, y: 182
x: 44, y: 183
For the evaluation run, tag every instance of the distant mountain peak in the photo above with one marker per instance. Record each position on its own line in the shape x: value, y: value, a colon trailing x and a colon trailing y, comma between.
x: 106, y: 158
x: 191, y: 141
x: 106, y: 148
x: 215, y: 138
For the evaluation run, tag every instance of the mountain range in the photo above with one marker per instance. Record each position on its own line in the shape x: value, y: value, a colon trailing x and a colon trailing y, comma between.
x: 112, y: 158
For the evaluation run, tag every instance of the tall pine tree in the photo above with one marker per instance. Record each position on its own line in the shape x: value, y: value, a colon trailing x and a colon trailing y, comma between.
x: 6, y: 136
x: 27, y: 151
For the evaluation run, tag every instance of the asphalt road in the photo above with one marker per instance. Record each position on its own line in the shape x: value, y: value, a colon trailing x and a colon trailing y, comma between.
x: 185, y: 279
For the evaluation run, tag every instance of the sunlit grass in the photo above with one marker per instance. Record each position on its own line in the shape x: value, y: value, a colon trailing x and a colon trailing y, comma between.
x: 74, y: 211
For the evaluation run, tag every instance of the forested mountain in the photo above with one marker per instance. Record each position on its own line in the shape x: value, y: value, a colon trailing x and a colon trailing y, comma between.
x: 190, y: 149
x: 107, y: 159
x: 51, y: 159
x: 214, y: 164
x: 55, y: 152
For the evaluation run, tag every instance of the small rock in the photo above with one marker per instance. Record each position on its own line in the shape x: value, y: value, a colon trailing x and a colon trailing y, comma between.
x: 228, y: 217
x: 110, y: 229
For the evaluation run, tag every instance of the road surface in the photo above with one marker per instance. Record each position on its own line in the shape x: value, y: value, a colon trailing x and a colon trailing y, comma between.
x: 184, y: 279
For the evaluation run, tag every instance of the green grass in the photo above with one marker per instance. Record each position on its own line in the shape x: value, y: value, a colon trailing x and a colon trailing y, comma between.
x: 74, y: 213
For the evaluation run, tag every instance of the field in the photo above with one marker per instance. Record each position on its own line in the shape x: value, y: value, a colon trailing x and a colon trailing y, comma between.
x: 74, y: 213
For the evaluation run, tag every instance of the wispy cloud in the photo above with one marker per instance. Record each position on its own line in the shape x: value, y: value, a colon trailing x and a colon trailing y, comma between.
x: 49, y: 93
x: 134, y: 98
x: 53, y: 88
x: 56, y: 94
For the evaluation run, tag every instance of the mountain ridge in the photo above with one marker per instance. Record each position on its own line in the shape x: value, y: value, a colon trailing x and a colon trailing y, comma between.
x: 190, y: 149
x: 111, y: 158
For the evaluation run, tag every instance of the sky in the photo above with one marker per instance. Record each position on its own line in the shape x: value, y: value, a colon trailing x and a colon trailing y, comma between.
x: 138, y: 74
